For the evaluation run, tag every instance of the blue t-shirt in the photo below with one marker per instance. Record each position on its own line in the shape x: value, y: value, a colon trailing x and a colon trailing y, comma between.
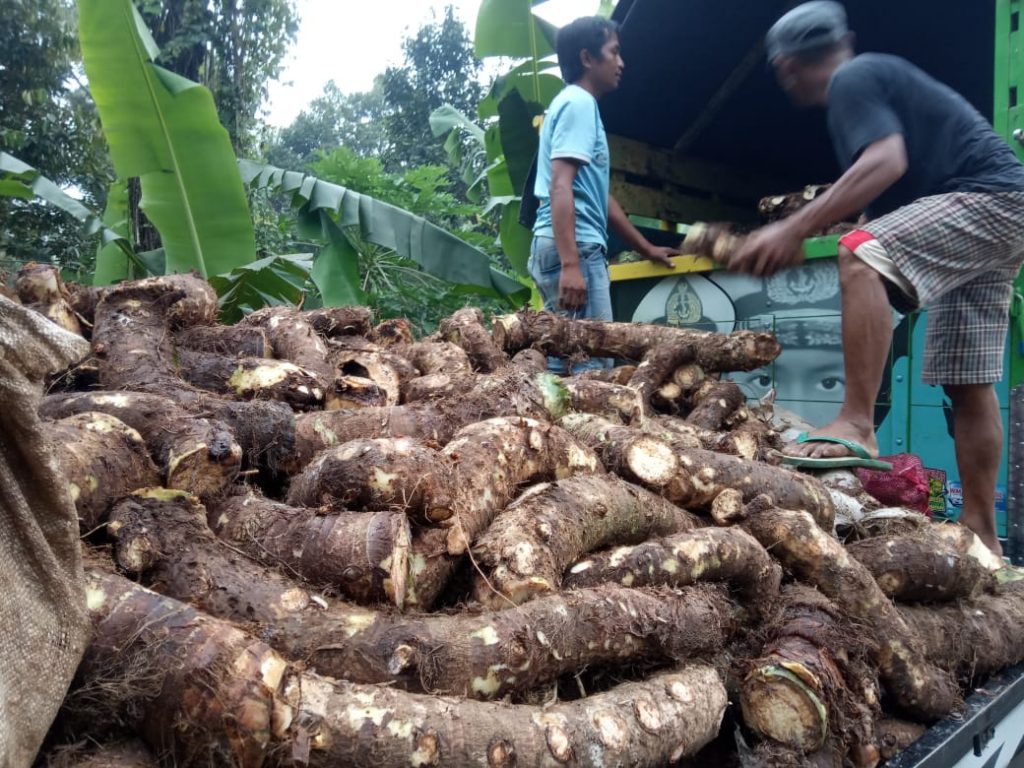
x: 573, y: 131
x: 950, y: 146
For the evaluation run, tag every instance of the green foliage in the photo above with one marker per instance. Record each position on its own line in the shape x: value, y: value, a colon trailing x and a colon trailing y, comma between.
x: 164, y: 129
x: 270, y: 281
x: 21, y: 182
x: 400, y: 261
x: 47, y: 120
x: 531, y: 79
x: 233, y: 47
x: 509, y: 28
x: 464, y: 146
x: 422, y: 190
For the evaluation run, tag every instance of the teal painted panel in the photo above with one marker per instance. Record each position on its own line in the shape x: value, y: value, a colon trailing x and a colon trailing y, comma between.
x: 932, y: 441
x: 802, y: 307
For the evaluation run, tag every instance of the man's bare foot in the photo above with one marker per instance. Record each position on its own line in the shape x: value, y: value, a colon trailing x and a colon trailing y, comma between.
x: 864, y: 436
x: 984, y: 526
x: 995, y: 546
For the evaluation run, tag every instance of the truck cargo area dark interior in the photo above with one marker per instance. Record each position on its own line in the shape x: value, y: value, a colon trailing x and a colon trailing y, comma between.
x: 696, y: 79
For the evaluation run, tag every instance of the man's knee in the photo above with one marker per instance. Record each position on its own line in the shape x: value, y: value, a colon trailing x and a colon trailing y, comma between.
x: 853, y: 268
x: 969, y: 394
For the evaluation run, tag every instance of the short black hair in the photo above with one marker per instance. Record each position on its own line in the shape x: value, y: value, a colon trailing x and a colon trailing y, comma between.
x: 588, y: 33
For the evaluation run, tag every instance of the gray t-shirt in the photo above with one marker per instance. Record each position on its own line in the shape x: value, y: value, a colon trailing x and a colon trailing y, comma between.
x: 950, y: 146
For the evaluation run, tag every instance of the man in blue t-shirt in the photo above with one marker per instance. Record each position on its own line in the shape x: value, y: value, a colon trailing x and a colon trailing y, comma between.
x: 568, y: 257
x: 942, y: 196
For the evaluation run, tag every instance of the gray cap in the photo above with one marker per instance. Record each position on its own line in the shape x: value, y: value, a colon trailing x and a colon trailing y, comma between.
x: 808, y: 26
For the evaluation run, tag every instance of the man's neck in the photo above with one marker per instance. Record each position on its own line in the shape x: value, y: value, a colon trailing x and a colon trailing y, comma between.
x: 590, y: 87
x: 833, y: 66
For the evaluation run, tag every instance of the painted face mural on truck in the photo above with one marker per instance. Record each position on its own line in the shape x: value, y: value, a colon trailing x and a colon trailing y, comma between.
x: 800, y: 305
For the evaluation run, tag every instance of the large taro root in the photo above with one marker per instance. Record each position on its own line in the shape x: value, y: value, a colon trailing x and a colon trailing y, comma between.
x: 693, y: 477
x: 972, y: 637
x: 195, y: 454
x: 466, y: 329
x: 919, y: 688
x: 252, y: 378
x: 511, y: 393
x: 490, y: 461
x: 524, y: 553
x: 481, y: 655
x: 443, y: 524
x: 212, y: 694
x: 362, y: 556
x: 796, y: 692
x: 384, y: 473
x: 558, y: 335
x: 920, y: 568
x: 39, y: 286
x: 705, y: 554
x: 103, y: 460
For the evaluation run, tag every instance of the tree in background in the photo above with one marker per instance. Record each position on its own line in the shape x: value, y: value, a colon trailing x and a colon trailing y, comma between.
x: 440, y: 68
x: 390, y: 121
x: 47, y: 119
x: 335, y: 119
x: 379, y: 143
x: 233, y: 47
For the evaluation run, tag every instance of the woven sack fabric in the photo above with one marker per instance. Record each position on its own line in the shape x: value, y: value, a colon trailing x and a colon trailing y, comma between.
x: 43, y: 621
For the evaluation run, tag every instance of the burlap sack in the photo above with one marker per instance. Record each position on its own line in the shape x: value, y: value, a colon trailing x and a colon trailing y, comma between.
x: 43, y: 622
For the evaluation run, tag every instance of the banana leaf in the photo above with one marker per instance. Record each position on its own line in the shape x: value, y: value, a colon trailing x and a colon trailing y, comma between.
x: 515, y: 238
x: 20, y: 180
x: 112, y: 264
x: 164, y: 129
x: 436, y: 251
x: 336, y: 269
x: 531, y: 79
x: 446, y: 119
x: 519, y: 139
x: 270, y: 281
x: 509, y: 28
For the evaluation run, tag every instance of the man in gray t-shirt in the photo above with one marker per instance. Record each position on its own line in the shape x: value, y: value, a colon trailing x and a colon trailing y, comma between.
x: 942, y: 195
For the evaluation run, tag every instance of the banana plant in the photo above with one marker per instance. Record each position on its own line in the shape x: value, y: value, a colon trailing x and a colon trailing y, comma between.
x: 20, y: 180
x: 268, y: 281
x: 334, y: 215
x: 164, y: 130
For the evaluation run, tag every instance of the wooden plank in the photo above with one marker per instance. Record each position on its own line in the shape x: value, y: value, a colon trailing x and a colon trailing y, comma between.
x: 661, y: 165
x: 670, y: 204
x: 639, y: 270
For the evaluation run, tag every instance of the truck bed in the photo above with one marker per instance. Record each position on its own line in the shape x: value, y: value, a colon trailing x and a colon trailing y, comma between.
x: 989, y: 733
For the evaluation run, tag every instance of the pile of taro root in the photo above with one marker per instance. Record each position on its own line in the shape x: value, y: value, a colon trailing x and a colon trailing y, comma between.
x: 315, y: 540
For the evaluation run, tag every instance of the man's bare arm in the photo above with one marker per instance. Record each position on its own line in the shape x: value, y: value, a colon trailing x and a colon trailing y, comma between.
x: 780, y: 245
x: 619, y: 222
x: 879, y: 166
x: 572, y: 288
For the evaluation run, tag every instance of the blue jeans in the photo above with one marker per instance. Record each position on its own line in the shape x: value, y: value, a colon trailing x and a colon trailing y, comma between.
x: 545, y: 268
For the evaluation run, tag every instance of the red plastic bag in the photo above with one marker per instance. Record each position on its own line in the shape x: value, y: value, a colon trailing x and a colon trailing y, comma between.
x: 906, y: 485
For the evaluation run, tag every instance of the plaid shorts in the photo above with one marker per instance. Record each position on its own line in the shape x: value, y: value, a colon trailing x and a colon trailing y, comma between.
x: 961, y: 253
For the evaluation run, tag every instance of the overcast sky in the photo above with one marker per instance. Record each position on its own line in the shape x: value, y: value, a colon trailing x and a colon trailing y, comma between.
x: 352, y: 41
